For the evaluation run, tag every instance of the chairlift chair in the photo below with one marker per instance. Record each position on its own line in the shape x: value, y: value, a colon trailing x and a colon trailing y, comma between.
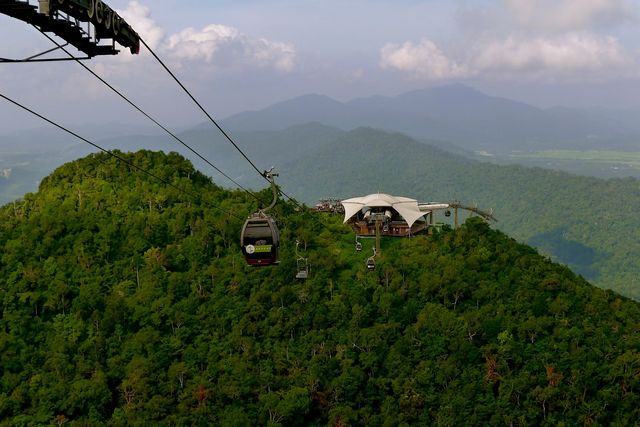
x: 303, y: 269
x: 302, y: 264
x: 371, y: 264
x: 358, y: 245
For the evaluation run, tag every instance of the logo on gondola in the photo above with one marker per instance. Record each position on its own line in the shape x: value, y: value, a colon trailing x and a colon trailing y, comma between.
x: 257, y: 249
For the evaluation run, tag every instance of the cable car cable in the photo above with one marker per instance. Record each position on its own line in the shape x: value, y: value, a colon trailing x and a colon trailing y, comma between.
x: 122, y: 159
x: 148, y: 116
x: 226, y: 135
x: 202, y: 108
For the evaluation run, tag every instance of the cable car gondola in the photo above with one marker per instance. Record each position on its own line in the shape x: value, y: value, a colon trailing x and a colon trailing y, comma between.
x: 260, y: 238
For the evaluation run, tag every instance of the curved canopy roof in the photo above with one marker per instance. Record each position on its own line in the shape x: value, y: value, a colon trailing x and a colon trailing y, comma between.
x: 407, y: 208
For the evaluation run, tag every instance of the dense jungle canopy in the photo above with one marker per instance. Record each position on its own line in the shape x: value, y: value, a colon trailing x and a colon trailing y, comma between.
x: 127, y: 302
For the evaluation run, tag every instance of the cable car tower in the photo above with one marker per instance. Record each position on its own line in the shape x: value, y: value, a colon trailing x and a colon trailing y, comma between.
x: 73, y: 21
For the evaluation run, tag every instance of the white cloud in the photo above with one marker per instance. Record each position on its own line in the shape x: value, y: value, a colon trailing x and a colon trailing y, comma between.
x: 226, y: 46
x: 139, y: 18
x: 575, y: 54
x: 215, y: 44
x: 565, y: 53
x: 423, y: 60
x: 569, y: 15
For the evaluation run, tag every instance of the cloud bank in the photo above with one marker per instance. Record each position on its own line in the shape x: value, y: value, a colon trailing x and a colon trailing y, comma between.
x: 423, y: 60
x: 526, y: 39
x: 569, y: 15
x: 226, y: 46
x: 571, y: 52
x: 215, y: 44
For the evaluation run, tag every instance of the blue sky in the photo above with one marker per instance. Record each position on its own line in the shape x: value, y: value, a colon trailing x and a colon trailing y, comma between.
x: 242, y: 54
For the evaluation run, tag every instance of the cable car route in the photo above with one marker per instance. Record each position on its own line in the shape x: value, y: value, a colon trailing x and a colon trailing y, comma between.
x: 260, y: 235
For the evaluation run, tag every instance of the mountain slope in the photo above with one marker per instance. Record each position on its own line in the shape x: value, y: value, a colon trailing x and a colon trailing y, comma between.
x: 124, y: 303
x: 587, y: 223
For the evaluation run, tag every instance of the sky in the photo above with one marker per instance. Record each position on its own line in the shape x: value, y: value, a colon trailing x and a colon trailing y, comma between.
x: 238, y: 55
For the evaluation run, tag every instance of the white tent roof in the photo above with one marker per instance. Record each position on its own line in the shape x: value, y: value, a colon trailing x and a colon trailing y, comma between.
x: 407, y: 208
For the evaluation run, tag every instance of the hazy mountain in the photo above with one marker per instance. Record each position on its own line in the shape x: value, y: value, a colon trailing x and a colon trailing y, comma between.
x: 625, y: 121
x: 456, y: 113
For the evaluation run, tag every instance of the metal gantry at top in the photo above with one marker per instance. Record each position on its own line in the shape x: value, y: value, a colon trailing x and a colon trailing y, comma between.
x: 72, y: 21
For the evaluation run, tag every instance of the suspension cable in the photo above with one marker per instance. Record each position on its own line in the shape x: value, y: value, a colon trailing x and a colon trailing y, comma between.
x: 121, y: 95
x: 112, y: 154
x: 226, y: 135
x: 203, y: 110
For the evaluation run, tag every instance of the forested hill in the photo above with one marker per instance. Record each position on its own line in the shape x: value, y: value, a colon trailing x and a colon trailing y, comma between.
x: 126, y: 302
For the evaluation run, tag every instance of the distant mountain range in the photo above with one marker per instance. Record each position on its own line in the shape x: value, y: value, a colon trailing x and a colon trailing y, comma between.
x: 458, y: 114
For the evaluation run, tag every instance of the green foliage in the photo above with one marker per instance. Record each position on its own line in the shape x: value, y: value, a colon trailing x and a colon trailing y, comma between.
x: 124, y: 302
x: 586, y: 223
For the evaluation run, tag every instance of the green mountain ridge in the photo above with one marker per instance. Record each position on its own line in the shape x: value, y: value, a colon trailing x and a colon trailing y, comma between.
x: 587, y: 223
x: 457, y: 113
x: 126, y: 302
